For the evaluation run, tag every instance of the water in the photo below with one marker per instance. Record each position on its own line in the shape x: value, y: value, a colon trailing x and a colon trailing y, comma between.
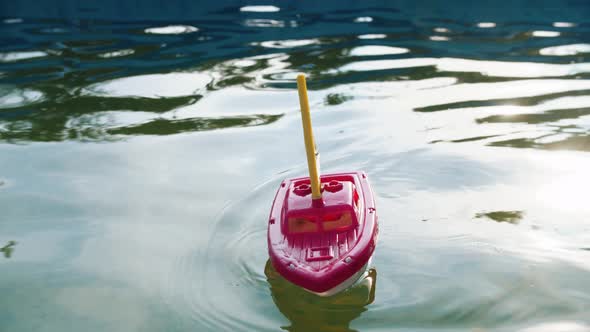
x: 139, y: 155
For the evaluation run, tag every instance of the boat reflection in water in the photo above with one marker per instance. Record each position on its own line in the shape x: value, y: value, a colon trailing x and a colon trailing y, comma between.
x: 310, y: 312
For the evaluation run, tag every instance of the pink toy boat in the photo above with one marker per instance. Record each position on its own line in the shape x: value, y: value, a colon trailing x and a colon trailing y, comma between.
x: 322, y: 232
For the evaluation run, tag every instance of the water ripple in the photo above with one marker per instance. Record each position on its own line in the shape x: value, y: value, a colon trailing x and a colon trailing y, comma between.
x: 172, y: 30
x: 392, y: 50
x: 456, y: 117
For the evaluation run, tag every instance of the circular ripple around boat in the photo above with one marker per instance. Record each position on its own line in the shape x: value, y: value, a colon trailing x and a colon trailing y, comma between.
x: 223, y: 286
x: 422, y: 281
x: 230, y: 284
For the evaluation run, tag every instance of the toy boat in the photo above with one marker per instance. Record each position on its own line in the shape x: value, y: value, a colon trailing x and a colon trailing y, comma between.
x: 322, y: 231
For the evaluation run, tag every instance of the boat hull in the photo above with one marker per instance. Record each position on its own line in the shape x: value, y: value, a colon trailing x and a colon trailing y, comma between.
x: 331, y: 256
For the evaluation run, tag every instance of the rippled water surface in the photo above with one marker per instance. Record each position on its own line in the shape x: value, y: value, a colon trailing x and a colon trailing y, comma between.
x: 140, y: 150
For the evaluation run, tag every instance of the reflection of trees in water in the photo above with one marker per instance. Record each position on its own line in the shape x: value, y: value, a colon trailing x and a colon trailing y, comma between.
x: 309, y: 312
x: 8, y: 249
x: 57, y: 105
x: 95, y: 118
x: 512, y: 217
x: 64, y: 110
x: 574, y: 141
x: 168, y: 127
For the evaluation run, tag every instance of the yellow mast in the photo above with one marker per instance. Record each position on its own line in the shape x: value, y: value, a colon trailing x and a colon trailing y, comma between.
x: 314, y: 174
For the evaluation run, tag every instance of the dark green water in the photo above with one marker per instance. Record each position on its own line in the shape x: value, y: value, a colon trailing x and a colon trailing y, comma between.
x: 139, y: 158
